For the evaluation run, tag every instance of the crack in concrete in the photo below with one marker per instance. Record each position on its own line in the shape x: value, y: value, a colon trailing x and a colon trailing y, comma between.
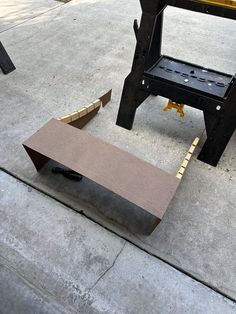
x: 108, y: 269
x: 33, y: 17
x: 57, y: 14
x: 118, y: 234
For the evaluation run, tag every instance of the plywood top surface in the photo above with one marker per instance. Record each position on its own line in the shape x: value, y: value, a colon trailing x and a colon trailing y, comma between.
x: 124, y: 174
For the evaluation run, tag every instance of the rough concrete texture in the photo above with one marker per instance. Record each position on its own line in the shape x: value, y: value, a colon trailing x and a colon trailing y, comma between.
x: 53, y: 260
x: 64, y: 60
x: 13, y: 13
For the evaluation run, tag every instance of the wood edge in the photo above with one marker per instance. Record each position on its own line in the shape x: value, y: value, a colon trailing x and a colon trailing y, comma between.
x: 102, y: 101
x: 187, y: 158
x: 39, y: 160
x: 82, y: 121
x: 106, y: 98
x: 154, y: 225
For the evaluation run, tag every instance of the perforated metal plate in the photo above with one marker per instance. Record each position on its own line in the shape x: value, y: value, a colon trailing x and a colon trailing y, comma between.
x: 192, y: 76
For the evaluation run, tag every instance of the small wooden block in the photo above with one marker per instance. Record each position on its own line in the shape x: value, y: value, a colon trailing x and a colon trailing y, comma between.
x: 66, y: 119
x: 196, y: 141
x: 181, y: 170
x: 192, y: 149
x: 97, y: 103
x: 179, y: 176
x: 90, y: 107
x: 188, y: 156
x: 185, y: 163
x: 74, y: 116
x: 82, y: 112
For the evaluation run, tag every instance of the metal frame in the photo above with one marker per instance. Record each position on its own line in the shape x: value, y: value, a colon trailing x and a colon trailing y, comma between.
x: 219, y: 111
x: 6, y: 64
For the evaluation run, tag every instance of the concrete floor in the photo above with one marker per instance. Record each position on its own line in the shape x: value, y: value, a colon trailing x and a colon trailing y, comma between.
x: 53, y: 260
x: 64, y: 60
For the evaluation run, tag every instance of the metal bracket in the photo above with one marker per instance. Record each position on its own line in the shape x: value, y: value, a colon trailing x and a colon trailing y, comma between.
x: 173, y: 105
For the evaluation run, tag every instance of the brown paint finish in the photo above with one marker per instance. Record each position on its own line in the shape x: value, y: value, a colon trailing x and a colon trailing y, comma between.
x: 124, y: 174
x: 38, y: 159
x: 106, y: 98
x: 81, y: 122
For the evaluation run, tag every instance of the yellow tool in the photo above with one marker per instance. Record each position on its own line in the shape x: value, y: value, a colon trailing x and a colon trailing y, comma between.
x: 173, y: 105
x: 222, y: 3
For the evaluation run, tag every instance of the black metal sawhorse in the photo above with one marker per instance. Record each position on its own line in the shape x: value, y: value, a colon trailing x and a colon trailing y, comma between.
x: 211, y: 91
x: 6, y: 64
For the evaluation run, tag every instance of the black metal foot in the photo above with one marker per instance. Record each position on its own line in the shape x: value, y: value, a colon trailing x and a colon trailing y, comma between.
x: 6, y: 64
x: 125, y: 120
x: 127, y: 108
x: 134, y: 93
x: 217, y: 141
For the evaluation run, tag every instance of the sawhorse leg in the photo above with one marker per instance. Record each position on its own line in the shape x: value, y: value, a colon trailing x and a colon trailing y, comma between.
x: 217, y: 141
x: 6, y: 64
x: 219, y: 131
x: 131, y: 98
x: 147, y: 53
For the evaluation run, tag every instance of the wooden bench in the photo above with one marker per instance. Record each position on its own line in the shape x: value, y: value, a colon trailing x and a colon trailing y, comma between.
x: 122, y: 173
